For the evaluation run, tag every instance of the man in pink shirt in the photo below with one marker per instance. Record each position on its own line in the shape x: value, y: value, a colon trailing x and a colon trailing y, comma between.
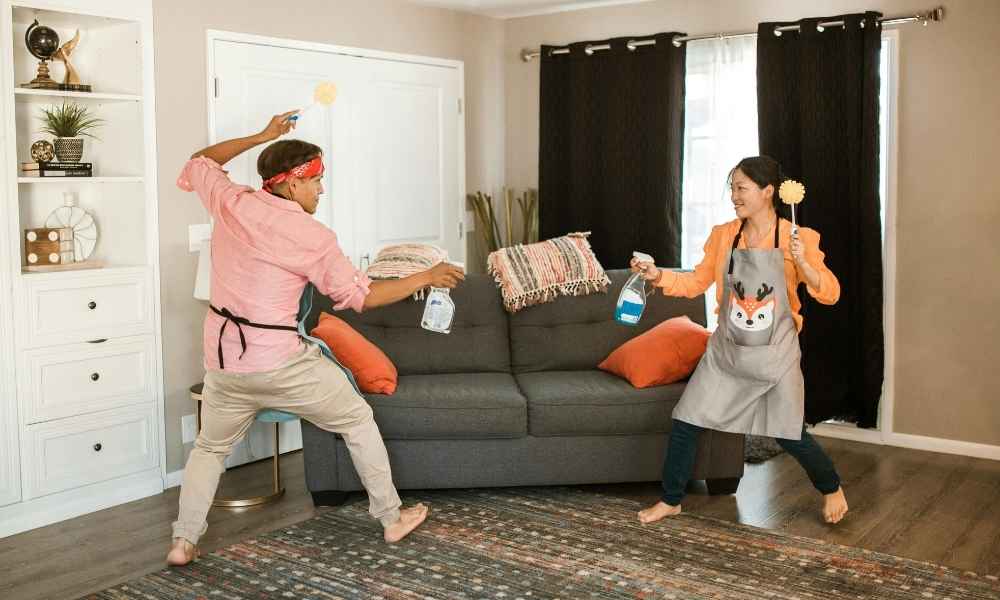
x: 266, y: 248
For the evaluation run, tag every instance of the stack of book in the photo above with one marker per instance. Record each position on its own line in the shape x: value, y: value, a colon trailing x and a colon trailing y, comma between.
x: 57, y: 169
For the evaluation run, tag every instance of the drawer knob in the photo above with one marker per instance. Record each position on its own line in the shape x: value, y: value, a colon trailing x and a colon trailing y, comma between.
x: 95, y: 376
x: 97, y: 447
x: 91, y: 305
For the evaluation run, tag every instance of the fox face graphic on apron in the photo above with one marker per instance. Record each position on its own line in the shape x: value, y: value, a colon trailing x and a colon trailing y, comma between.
x: 749, y: 380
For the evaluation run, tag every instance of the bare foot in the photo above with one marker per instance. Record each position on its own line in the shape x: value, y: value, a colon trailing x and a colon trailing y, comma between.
x: 658, y: 511
x: 409, y: 519
x: 181, y: 553
x: 834, y: 506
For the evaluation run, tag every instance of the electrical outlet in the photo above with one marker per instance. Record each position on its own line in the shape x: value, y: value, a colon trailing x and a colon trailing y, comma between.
x: 189, y: 428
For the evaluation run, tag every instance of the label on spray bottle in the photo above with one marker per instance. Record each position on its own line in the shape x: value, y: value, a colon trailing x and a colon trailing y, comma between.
x: 439, y: 308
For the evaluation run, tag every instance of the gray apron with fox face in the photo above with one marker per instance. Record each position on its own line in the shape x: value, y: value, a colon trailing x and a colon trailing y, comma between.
x: 749, y: 380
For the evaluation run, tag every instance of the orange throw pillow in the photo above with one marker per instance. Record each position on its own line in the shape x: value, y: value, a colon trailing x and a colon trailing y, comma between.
x: 372, y: 369
x: 666, y: 353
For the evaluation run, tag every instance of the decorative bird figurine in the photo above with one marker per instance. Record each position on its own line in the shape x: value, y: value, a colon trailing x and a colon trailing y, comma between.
x: 63, y: 54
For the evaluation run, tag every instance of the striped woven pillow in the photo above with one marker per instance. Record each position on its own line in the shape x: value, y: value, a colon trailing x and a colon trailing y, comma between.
x: 403, y: 260
x: 537, y: 273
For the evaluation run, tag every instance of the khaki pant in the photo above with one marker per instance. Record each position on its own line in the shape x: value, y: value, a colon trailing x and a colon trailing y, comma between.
x: 310, y: 386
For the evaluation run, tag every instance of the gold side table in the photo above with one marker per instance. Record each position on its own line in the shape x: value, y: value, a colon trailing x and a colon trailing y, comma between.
x: 275, y: 417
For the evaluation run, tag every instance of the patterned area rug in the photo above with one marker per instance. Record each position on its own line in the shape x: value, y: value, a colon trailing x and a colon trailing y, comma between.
x: 547, y: 543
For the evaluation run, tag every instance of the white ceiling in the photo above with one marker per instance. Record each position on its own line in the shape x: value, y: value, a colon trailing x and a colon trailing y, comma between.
x: 506, y: 9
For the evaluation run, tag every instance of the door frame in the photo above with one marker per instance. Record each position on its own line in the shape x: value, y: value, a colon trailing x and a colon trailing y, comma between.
x: 213, y: 35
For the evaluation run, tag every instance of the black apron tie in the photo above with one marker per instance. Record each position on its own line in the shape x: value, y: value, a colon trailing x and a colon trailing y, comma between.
x: 240, y: 322
x: 739, y: 234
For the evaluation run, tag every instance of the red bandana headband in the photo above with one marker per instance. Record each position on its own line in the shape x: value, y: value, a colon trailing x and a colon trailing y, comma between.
x: 310, y: 169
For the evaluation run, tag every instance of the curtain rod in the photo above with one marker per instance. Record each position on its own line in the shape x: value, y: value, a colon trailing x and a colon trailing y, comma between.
x: 936, y: 14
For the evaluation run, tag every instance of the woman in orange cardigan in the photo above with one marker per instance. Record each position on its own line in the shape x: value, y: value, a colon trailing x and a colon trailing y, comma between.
x: 749, y: 380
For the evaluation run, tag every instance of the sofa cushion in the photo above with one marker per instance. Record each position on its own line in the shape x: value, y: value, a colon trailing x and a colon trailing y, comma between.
x: 478, y: 342
x: 578, y: 333
x: 595, y: 403
x: 666, y: 353
x: 452, y: 406
x: 372, y: 369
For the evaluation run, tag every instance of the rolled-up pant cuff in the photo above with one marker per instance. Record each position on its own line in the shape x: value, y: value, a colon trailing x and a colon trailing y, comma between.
x: 389, y: 518
x: 191, y: 534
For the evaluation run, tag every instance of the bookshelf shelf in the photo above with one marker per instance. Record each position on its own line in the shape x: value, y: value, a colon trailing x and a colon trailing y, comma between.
x: 55, y: 180
x: 29, y: 96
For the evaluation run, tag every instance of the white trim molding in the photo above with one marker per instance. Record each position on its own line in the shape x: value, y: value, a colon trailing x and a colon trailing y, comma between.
x: 18, y: 518
x: 262, y: 40
x: 906, y: 440
x: 173, y: 479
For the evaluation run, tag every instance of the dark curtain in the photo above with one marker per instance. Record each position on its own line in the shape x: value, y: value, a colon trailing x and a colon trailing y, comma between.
x: 610, y: 148
x: 817, y: 94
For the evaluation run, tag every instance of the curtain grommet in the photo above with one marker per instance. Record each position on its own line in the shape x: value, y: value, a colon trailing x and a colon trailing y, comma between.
x: 676, y: 41
x: 820, y: 28
x: 777, y: 32
x: 631, y: 45
x: 589, y: 50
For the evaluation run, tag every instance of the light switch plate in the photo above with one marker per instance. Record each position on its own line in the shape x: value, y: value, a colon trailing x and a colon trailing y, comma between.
x: 198, y: 233
x: 189, y: 428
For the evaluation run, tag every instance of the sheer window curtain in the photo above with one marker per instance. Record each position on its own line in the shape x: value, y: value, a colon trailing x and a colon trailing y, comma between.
x: 720, y: 128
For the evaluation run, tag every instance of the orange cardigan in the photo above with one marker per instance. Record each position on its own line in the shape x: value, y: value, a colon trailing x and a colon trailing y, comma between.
x: 713, y: 267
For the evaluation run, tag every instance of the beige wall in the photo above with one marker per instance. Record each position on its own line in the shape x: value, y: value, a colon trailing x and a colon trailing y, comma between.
x: 947, y: 379
x: 182, y: 126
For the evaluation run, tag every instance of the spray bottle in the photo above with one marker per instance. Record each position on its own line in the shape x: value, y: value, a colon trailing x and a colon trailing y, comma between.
x: 632, y: 299
x: 439, y: 308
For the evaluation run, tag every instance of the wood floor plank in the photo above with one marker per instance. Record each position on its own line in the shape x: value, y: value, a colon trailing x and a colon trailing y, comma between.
x: 921, y: 505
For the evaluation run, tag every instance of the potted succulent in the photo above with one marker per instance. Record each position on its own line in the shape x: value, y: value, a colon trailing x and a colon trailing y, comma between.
x: 66, y: 124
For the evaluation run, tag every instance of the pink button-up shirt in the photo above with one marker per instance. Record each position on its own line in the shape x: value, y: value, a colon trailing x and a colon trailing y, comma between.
x: 264, y: 250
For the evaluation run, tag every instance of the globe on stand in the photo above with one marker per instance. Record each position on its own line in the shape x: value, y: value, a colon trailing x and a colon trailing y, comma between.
x: 42, y: 43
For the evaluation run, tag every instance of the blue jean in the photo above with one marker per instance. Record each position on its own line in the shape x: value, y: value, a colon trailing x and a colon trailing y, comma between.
x: 683, y: 443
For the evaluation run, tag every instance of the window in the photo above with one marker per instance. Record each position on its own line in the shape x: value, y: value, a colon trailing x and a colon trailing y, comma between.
x: 720, y: 128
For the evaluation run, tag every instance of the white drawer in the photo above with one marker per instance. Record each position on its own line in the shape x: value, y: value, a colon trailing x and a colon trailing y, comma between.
x: 78, y: 379
x: 68, y: 310
x: 78, y: 451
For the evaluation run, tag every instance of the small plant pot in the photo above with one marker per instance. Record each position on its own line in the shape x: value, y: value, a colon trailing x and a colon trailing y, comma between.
x: 69, y: 149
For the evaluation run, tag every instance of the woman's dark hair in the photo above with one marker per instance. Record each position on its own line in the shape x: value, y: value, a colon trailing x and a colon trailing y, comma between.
x: 282, y: 156
x: 762, y: 170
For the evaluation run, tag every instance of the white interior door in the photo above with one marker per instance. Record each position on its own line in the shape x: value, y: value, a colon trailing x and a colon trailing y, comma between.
x: 392, y: 143
x: 254, y: 82
x: 410, y: 188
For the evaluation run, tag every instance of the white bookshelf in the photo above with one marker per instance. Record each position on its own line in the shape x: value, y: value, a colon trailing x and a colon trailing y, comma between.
x: 57, y: 326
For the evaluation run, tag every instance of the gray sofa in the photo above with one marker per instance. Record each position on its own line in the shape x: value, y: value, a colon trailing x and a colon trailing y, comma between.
x: 515, y: 399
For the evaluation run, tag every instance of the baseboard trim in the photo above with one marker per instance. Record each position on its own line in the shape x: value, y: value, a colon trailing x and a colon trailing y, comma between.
x: 173, y: 479
x: 848, y: 432
x: 906, y: 440
x: 919, y: 442
x: 39, y: 512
